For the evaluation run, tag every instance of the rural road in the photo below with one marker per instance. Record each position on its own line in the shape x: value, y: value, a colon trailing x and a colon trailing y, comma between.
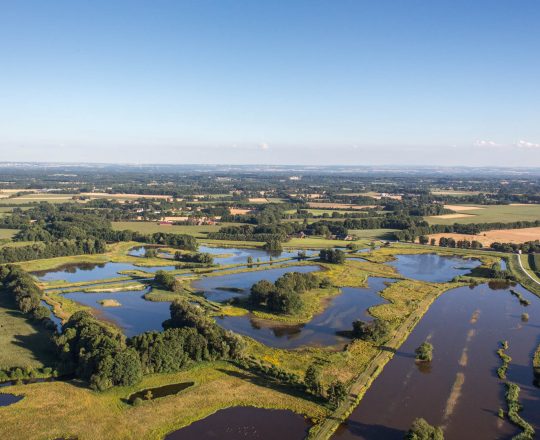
x: 526, y: 273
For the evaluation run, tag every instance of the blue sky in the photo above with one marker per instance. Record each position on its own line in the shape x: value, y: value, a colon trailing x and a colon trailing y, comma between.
x: 303, y: 82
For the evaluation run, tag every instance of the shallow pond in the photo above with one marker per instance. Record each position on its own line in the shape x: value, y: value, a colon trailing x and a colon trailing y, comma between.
x: 9, y: 399
x: 432, y: 267
x: 246, y: 423
x: 135, y: 315
x: 73, y: 273
x: 240, y: 255
x: 212, y: 286
x: 342, y: 310
x: 158, y: 392
x: 460, y: 389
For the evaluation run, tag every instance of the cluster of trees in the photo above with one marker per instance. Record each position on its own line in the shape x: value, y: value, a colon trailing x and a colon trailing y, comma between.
x: 422, y: 430
x: 335, y: 393
x: 283, y: 296
x: 375, y: 331
x: 60, y: 248
x: 529, y: 247
x: 218, y: 343
x: 25, y: 292
x: 262, y: 232
x: 97, y: 354
x: 274, y: 245
x: 172, y: 349
x: 460, y: 244
x: 334, y: 256
x: 167, y: 281
x: 198, y: 257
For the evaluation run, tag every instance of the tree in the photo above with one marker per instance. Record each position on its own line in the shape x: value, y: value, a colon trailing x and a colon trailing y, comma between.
x: 312, y: 380
x: 337, y: 392
x: 422, y: 430
x: 424, y: 352
x: 375, y: 331
x: 260, y: 291
x: 423, y: 239
x: 334, y: 256
x: 273, y: 245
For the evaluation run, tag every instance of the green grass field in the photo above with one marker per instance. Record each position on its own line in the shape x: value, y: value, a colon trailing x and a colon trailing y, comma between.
x: 7, y: 233
x: 21, y: 343
x: 373, y: 234
x: 493, y: 213
x: 152, y: 227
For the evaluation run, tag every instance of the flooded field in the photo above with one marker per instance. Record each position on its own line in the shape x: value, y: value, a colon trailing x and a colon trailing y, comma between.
x: 342, y: 310
x: 432, y: 267
x: 135, y: 315
x: 460, y: 389
x: 74, y: 273
x: 246, y: 423
x: 242, y: 282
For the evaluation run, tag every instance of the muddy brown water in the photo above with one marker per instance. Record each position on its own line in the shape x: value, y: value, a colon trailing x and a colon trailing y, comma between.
x: 460, y: 389
x: 245, y: 423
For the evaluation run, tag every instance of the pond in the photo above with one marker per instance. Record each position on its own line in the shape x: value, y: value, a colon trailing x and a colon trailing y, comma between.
x: 158, y: 392
x: 432, y: 267
x: 240, y: 255
x: 73, y: 273
x: 242, y: 282
x: 9, y: 399
x: 460, y: 389
x: 246, y: 423
x: 135, y: 315
x: 342, y: 310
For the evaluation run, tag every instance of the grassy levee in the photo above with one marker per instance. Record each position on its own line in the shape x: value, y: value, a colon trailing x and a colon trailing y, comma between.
x: 363, y: 381
x: 525, y: 278
x: 68, y: 410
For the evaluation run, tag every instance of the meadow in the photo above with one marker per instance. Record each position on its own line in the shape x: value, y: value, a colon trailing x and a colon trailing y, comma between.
x: 21, y: 343
x: 491, y: 213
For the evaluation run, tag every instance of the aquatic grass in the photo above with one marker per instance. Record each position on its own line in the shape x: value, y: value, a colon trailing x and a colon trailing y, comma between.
x: 514, y: 407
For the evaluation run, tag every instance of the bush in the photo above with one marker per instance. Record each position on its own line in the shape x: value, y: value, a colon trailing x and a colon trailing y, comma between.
x: 422, y: 430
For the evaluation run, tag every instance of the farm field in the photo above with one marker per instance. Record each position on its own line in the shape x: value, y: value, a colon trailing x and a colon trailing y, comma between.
x: 373, y: 234
x: 152, y: 227
x: 324, y: 205
x: 489, y: 214
x: 499, y: 235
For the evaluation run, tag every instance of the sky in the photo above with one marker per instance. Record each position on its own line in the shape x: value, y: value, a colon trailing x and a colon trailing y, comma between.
x: 402, y: 82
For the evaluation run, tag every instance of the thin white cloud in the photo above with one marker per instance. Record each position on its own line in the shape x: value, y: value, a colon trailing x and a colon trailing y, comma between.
x: 486, y: 143
x: 526, y: 144
x: 264, y: 146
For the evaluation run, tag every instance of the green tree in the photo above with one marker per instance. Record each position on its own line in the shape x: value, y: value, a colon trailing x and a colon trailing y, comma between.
x: 424, y: 352
x: 312, y: 380
x: 337, y: 392
x: 422, y: 430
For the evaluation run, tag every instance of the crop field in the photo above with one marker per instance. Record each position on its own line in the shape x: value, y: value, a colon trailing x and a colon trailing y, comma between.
x: 497, y: 235
x: 490, y: 213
